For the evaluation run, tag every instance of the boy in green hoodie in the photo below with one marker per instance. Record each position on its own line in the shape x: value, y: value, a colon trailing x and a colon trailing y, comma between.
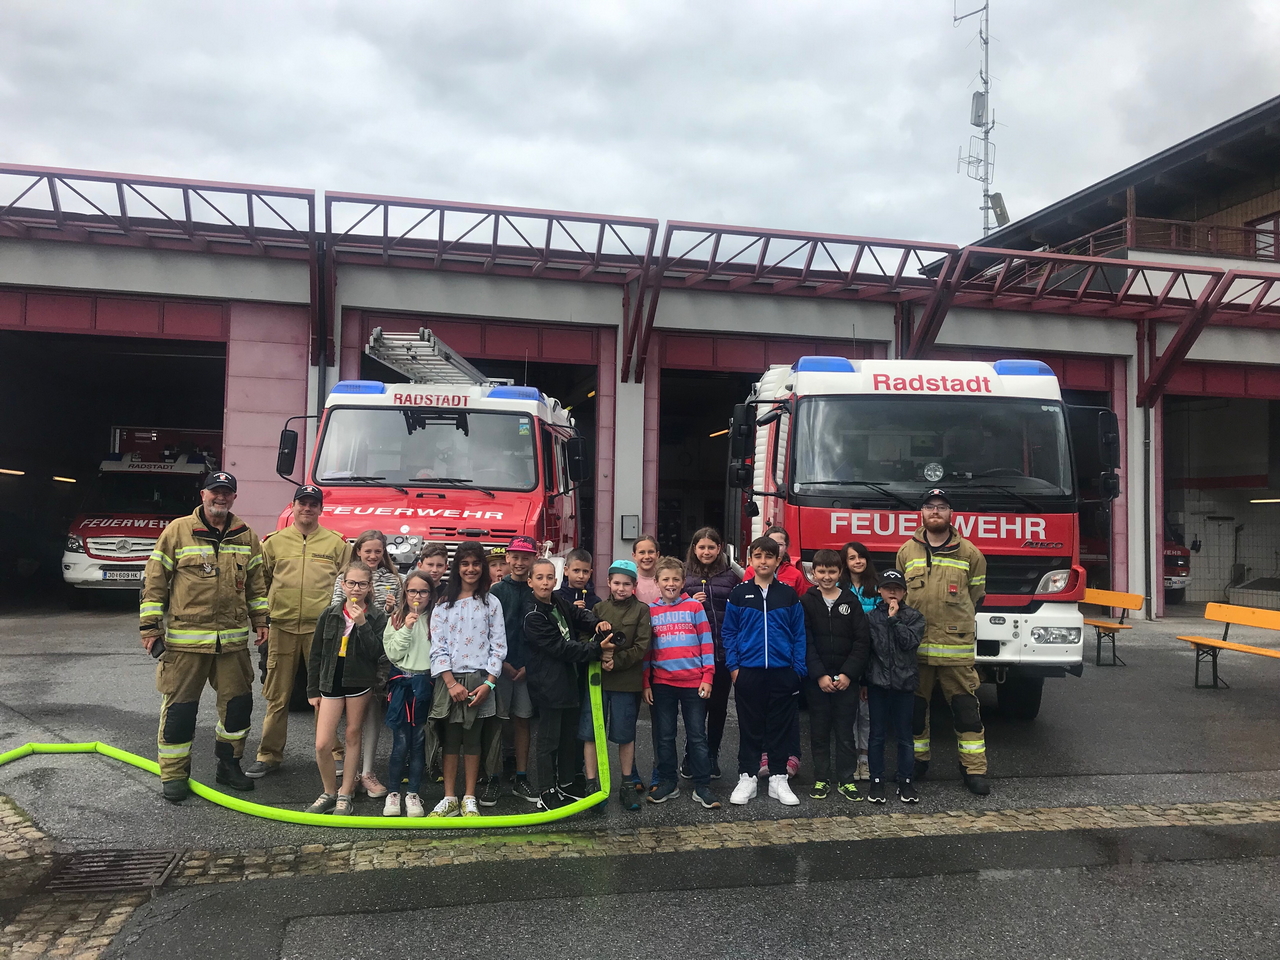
x: 621, y: 682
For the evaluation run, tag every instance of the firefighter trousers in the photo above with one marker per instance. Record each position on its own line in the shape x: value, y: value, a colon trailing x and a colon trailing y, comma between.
x: 959, y: 687
x: 285, y: 650
x: 180, y: 678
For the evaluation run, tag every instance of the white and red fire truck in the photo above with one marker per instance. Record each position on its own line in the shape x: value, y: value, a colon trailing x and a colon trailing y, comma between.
x: 150, y: 477
x: 451, y: 456
x: 840, y: 450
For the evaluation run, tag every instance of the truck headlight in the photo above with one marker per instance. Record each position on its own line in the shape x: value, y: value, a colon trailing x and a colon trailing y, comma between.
x: 74, y: 544
x: 1054, y: 582
x: 1055, y: 634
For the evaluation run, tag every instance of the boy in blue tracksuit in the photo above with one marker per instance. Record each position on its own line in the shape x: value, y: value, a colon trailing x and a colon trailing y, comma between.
x: 764, y: 648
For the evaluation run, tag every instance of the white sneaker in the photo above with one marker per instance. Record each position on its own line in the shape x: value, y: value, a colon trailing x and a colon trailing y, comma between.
x: 470, y: 808
x: 413, y: 805
x: 391, y: 806
x: 745, y: 790
x: 781, y: 791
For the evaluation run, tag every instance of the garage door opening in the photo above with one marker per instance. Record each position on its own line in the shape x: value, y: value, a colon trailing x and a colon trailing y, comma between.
x: 693, y: 452
x: 574, y: 385
x: 60, y: 397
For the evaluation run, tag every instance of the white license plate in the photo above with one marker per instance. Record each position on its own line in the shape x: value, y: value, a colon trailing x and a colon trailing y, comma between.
x: 121, y: 575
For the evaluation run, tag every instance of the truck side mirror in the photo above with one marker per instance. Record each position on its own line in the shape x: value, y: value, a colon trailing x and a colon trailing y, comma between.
x: 287, y: 455
x: 751, y: 509
x: 741, y: 428
x: 1109, y: 439
x: 1109, y: 485
x: 578, y: 464
x: 739, y: 475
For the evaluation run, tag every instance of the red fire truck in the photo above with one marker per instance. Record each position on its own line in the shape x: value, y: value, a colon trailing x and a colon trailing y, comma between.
x: 450, y: 456
x: 838, y: 450
x: 151, y: 476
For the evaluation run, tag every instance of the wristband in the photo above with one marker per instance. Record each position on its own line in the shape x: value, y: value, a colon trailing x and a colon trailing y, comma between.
x: 490, y: 684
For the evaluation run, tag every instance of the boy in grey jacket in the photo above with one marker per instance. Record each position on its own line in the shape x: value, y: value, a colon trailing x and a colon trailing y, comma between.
x: 892, y: 676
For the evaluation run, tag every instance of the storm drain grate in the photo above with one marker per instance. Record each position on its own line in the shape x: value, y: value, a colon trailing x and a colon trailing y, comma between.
x: 98, y: 871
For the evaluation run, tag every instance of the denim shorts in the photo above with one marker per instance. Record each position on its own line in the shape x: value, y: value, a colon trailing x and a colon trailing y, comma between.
x: 620, y: 712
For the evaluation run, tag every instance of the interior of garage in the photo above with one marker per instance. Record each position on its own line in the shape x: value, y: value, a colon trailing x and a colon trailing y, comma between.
x: 1222, y: 495
x: 573, y: 384
x: 60, y: 395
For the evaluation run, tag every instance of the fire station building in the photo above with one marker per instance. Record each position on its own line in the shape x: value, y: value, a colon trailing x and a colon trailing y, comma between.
x: 133, y: 300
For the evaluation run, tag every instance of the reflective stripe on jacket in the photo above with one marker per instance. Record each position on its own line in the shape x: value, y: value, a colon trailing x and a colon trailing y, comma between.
x: 299, y: 573
x: 946, y: 584
x: 211, y: 589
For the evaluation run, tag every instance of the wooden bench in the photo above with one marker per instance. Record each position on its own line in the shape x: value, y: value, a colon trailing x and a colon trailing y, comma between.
x: 1208, y: 648
x: 1107, y: 629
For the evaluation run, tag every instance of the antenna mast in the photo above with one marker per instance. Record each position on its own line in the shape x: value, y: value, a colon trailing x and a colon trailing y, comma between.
x: 980, y: 162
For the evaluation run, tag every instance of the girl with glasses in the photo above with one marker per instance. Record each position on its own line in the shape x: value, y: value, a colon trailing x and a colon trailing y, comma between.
x: 407, y: 642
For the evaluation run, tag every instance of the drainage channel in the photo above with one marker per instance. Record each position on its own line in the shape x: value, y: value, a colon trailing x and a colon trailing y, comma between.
x: 112, y: 871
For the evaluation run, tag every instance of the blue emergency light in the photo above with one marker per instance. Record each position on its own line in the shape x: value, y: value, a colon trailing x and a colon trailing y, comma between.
x: 824, y: 365
x: 359, y: 386
x: 1022, y: 368
x: 506, y: 392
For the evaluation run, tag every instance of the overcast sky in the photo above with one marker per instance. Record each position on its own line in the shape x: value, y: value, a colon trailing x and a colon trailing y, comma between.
x: 843, y: 116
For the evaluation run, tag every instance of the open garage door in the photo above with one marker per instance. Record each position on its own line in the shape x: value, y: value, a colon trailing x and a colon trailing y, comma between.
x: 60, y: 397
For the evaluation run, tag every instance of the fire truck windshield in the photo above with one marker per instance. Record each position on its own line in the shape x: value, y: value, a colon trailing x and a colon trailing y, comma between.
x: 164, y: 493
x: 417, y: 447
x: 1001, y: 448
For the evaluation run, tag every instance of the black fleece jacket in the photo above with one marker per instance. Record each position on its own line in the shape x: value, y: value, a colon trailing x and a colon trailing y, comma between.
x: 554, y: 653
x: 838, y: 640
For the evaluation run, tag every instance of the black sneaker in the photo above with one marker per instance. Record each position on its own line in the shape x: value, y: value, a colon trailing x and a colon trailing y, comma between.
x: 520, y: 787
x: 664, y: 792
x: 907, y: 792
x: 574, y: 791
x: 230, y: 774
x: 592, y: 786
x: 686, y: 772
x: 715, y: 767
x: 175, y: 791
x: 629, y: 799
x: 706, y: 797
x: 977, y: 783
x: 921, y: 771
x: 492, y: 790
x: 875, y: 792
x: 260, y: 768
x: 551, y: 800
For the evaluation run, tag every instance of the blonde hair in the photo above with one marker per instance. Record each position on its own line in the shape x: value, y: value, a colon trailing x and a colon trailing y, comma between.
x: 668, y: 563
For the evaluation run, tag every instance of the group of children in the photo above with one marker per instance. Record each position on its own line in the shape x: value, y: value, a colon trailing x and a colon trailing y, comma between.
x: 465, y: 650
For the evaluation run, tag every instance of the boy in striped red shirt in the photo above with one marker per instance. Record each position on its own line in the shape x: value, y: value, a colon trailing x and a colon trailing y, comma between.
x: 677, y: 678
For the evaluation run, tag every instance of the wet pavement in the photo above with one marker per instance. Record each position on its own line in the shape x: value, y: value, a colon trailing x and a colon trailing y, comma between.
x: 1134, y: 735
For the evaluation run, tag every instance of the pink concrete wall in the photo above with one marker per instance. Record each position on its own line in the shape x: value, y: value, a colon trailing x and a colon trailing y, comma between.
x: 267, y: 367
x: 1120, y: 506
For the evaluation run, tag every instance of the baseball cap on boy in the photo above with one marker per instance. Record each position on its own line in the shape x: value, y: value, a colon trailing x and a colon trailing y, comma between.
x: 309, y: 490
x: 624, y: 567
x: 892, y: 578
x: 220, y: 479
x: 522, y: 545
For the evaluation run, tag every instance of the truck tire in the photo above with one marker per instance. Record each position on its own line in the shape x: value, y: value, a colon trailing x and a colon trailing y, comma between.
x: 1019, y: 697
x: 1175, y: 596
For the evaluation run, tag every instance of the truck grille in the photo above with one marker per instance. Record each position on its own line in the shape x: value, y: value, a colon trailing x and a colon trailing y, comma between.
x: 123, y: 548
x: 1010, y: 576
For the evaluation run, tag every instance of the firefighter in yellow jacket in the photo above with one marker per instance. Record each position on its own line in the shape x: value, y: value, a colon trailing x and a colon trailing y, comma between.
x: 946, y: 580
x: 202, y: 595
x: 300, y: 564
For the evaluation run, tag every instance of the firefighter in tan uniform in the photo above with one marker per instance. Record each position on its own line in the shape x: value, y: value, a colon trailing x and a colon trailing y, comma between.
x: 300, y: 564
x: 202, y: 595
x: 946, y: 580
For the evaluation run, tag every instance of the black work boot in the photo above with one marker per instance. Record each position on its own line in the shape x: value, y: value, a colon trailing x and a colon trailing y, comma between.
x: 175, y: 791
x: 977, y: 783
x: 229, y: 773
x: 921, y: 771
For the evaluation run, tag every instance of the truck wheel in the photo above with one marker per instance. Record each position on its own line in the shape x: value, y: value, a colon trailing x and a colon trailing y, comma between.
x: 1019, y: 697
x: 1175, y: 596
x: 298, y: 698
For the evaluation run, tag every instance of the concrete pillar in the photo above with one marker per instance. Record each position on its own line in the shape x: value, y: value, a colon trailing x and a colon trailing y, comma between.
x: 1120, y: 579
x: 268, y: 368
x: 628, y: 457
x: 606, y: 433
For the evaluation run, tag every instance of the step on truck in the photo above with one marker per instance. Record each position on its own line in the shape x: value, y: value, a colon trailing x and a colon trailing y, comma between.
x: 150, y: 476
x: 450, y: 456
x: 836, y: 450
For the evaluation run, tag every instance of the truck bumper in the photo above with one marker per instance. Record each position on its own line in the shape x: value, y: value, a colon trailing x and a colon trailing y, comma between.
x: 1006, y: 640
x: 85, y: 573
x: 1176, y: 583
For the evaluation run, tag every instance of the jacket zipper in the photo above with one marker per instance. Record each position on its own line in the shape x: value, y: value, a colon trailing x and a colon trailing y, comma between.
x: 765, y: 603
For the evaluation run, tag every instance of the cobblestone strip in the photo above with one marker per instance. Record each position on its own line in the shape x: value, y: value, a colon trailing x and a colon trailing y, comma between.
x: 209, y: 866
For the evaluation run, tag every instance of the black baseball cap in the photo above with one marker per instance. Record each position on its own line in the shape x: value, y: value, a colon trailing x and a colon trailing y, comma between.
x: 938, y: 494
x: 220, y: 479
x: 892, y: 578
x: 309, y: 490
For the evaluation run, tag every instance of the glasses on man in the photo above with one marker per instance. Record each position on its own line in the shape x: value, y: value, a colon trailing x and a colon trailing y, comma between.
x: 936, y: 508
x: 353, y: 584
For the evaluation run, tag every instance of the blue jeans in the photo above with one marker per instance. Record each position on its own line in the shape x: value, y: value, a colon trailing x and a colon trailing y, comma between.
x: 668, y: 703
x: 891, y: 712
x: 407, y: 747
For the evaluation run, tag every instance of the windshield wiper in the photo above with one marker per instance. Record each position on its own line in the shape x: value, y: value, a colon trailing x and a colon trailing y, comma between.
x: 454, y: 482
x: 1012, y: 494
x: 376, y: 481
x: 883, y: 491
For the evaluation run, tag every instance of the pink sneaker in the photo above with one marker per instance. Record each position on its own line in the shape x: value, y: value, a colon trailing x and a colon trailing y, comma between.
x: 764, y: 765
x: 371, y: 785
x: 793, y: 766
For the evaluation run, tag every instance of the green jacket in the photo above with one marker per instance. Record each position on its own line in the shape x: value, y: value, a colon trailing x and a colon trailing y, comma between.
x: 299, y: 572
x: 209, y: 587
x: 632, y: 619
x: 409, y: 649
x: 946, y: 584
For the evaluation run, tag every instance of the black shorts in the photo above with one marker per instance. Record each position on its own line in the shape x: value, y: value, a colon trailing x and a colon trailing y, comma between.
x: 339, y: 691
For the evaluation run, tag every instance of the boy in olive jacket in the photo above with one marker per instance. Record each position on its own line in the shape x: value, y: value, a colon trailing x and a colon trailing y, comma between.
x: 622, y: 678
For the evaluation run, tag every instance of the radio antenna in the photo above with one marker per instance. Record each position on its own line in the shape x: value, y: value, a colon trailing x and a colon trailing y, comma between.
x: 980, y: 162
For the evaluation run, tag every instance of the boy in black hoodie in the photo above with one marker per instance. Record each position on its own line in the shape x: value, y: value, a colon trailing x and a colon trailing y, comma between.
x: 892, y: 677
x: 836, y: 652
x: 551, y: 629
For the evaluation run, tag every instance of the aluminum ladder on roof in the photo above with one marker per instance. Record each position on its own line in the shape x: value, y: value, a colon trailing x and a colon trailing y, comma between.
x: 423, y: 359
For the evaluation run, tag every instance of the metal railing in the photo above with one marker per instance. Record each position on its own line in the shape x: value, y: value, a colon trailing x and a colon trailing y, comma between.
x: 1148, y: 233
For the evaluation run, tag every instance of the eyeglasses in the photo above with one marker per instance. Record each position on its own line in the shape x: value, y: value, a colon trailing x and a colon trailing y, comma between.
x: 936, y: 508
x: 418, y: 593
x: 353, y: 584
